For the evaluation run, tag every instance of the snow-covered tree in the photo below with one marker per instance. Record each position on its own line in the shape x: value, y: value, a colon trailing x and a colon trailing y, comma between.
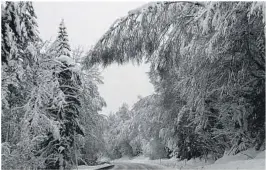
x: 62, y: 44
x: 67, y: 113
x: 136, y: 134
x: 19, y: 38
x: 45, y: 96
x: 92, y: 144
x: 19, y: 31
x: 213, y: 56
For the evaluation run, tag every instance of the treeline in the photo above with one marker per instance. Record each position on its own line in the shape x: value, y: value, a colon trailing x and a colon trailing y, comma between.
x: 208, y: 69
x: 136, y: 131
x: 50, y: 104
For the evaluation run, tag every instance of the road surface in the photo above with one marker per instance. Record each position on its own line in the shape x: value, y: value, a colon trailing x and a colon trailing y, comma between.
x: 135, y: 166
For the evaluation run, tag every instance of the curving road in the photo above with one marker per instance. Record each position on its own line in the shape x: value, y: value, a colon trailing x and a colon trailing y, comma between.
x: 135, y: 166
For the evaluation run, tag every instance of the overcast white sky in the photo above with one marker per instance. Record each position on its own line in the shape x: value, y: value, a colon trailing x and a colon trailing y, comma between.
x: 86, y: 22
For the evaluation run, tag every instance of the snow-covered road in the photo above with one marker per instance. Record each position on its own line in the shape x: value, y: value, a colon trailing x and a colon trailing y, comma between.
x: 136, y: 166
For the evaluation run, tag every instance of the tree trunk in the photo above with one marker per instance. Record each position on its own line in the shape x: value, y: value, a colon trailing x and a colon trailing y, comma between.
x: 61, y: 162
x: 75, y: 149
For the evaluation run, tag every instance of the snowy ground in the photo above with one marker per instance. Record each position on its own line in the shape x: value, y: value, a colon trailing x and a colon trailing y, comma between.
x: 249, y: 159
x: 84, y: 167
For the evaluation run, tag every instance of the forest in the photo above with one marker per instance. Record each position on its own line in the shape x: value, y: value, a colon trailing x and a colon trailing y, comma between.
x: 207, y: 66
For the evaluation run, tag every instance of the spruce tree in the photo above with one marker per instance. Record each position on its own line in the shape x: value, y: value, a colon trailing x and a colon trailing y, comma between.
x: 9, y: 31
x: 63, y: 47
x: 18, y: 30
x: 19, y: 37
x: 67, y: 114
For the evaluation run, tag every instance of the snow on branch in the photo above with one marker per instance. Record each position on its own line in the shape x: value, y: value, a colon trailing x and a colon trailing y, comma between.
x: 141, y: 32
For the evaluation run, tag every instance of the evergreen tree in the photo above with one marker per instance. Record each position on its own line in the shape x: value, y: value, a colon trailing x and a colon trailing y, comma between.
x: 9, y: 31
x: 68, y: 113
x: 202, y: 54
x: 19, y: 37
x: 19, y: 31
x: 63, y: 47
x: 43, y: 94
x: 50, y: 123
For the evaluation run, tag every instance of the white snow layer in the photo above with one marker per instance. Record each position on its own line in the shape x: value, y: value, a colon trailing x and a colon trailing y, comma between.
x: 66, y: 60
x: 142, y: 8
x: 76, y: 68
x: 84, y: 167
x: 249, y: 159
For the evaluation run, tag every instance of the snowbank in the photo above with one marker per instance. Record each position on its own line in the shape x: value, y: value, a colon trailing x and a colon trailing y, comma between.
x: 261, y: 155
x: 245, y: 155
x: 258, y: 164
x: 249, y: 159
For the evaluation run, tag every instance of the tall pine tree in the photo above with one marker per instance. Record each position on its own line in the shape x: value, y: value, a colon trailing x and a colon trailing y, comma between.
x: 51, y: 120
x: 19, y: 35
x: 63, y: 47
x: 19, y: 31
x: 67, y: 115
